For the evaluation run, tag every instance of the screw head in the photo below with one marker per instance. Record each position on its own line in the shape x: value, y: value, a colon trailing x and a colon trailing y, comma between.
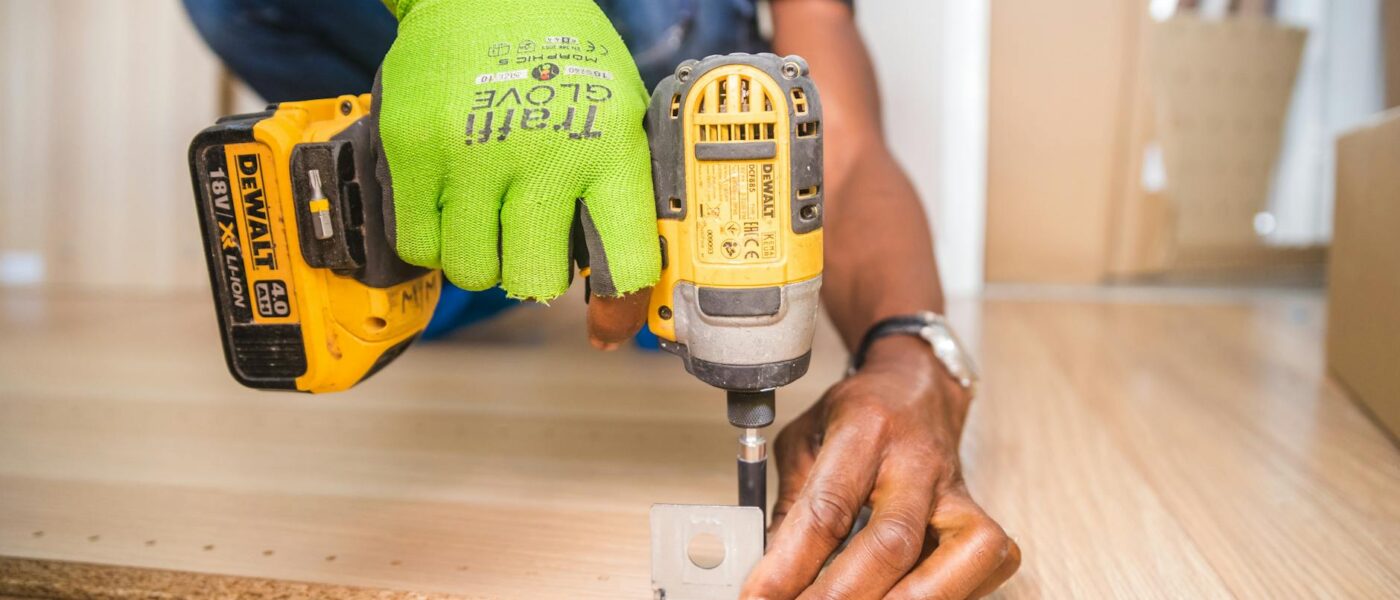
x: 809, y: 212
x: 664, y: 312
x: 792, y: 70
x: 346, y: 107
x: 684, y: 70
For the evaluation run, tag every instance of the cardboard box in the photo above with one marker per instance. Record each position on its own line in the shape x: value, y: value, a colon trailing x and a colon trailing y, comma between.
x: 1222, y: 90
x: 1363, y: 312
x: 1077, y: 93
x: 1055, y: 144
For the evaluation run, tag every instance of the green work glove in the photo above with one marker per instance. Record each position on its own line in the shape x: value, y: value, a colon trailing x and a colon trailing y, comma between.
x: 500, y: 121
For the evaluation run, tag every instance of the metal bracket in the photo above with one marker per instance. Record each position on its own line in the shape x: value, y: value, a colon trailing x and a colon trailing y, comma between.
x: 675, y: 575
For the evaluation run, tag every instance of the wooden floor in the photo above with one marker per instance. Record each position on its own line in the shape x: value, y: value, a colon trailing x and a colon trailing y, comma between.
x: 1137, y: 444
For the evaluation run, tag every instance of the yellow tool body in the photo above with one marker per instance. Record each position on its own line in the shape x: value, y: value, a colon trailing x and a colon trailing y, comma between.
x: 736, y: 150
x: 309, y: 295
x: 736, y: 154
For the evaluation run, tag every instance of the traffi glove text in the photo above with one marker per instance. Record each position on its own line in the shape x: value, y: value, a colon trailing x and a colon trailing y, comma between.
x: 502, y: 119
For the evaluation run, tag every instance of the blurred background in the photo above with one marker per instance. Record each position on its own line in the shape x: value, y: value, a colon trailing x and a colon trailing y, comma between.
x: 1166, y: 227
x: 1086, y: 141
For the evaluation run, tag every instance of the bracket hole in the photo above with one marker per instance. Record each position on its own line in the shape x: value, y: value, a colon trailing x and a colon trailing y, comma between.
x: 705, y: 550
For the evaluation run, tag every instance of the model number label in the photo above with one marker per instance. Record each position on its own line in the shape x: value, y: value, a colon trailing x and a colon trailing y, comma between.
x: 738, y: 219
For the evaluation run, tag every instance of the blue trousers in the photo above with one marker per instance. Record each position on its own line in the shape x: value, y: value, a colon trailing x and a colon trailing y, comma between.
x: 302, y: 49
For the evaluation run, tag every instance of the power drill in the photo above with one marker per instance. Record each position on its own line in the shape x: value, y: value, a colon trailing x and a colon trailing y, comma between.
x: 736, y: 151
x: 311, y: 297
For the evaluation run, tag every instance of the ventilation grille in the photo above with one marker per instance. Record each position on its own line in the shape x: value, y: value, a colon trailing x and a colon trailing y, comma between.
x: 799, y: 101
x: 734, y: 109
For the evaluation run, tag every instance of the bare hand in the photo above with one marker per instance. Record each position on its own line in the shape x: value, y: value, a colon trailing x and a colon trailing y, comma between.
x: 886, y: 437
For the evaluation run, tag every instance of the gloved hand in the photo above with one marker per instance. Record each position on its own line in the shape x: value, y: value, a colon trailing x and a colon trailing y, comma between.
x: 502, y: 119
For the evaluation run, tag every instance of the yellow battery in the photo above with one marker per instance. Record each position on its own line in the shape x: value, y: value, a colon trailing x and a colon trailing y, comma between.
x: 309, y: 295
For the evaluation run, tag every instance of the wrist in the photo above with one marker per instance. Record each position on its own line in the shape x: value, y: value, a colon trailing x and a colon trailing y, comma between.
x: 913, y: 361
x: 902, y: 353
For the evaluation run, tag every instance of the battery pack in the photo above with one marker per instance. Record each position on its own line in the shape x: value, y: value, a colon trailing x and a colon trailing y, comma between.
x: 309, y: 295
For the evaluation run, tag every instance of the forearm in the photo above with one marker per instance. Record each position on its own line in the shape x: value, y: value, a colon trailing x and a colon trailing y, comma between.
x: 879, y: 255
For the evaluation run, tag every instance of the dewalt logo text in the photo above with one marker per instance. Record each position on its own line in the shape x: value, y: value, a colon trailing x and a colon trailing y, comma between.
x: 261, y: 248
x: 770, y: 204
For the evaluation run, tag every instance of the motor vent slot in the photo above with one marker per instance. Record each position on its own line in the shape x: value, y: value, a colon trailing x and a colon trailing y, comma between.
x: 734, y: 108
x: 799, y: 101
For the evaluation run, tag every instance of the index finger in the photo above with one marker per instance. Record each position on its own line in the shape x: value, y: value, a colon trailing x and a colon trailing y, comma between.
x: 840, y: 481
x: 884, y: 551
x: 974, y: 555
x: 611, y: 320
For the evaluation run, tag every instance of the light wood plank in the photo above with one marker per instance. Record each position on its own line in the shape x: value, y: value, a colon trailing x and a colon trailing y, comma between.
x: 1279, y: 455
x: 1148, y: 444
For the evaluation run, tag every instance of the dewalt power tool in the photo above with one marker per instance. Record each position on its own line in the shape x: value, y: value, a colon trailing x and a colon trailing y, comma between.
x: 736, y: 150
x: 311, y: 297
x: 309, y: 294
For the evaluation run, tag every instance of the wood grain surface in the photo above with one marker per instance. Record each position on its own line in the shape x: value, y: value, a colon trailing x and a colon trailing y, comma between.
x: 1136, y: 443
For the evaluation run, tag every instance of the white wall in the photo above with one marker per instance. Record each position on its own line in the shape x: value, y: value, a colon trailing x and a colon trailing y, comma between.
x: 1340, y: 85
x: 937, y: 121
x: 99, y: 104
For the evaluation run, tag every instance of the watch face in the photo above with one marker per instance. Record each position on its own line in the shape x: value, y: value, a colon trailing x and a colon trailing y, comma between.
x: 950, y: 351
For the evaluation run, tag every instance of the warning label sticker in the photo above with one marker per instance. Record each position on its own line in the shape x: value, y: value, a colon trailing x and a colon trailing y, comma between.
x: 738, y: 221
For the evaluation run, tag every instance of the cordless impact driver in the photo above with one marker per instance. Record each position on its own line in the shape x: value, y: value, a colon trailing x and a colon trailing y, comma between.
x: 736, y: 153
x: 311, y: 297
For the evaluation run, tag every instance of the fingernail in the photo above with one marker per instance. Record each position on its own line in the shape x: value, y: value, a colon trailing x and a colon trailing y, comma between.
x: 604, y: 346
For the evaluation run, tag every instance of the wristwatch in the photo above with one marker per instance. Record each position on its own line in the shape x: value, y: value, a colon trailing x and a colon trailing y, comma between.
x: 932, y: 328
